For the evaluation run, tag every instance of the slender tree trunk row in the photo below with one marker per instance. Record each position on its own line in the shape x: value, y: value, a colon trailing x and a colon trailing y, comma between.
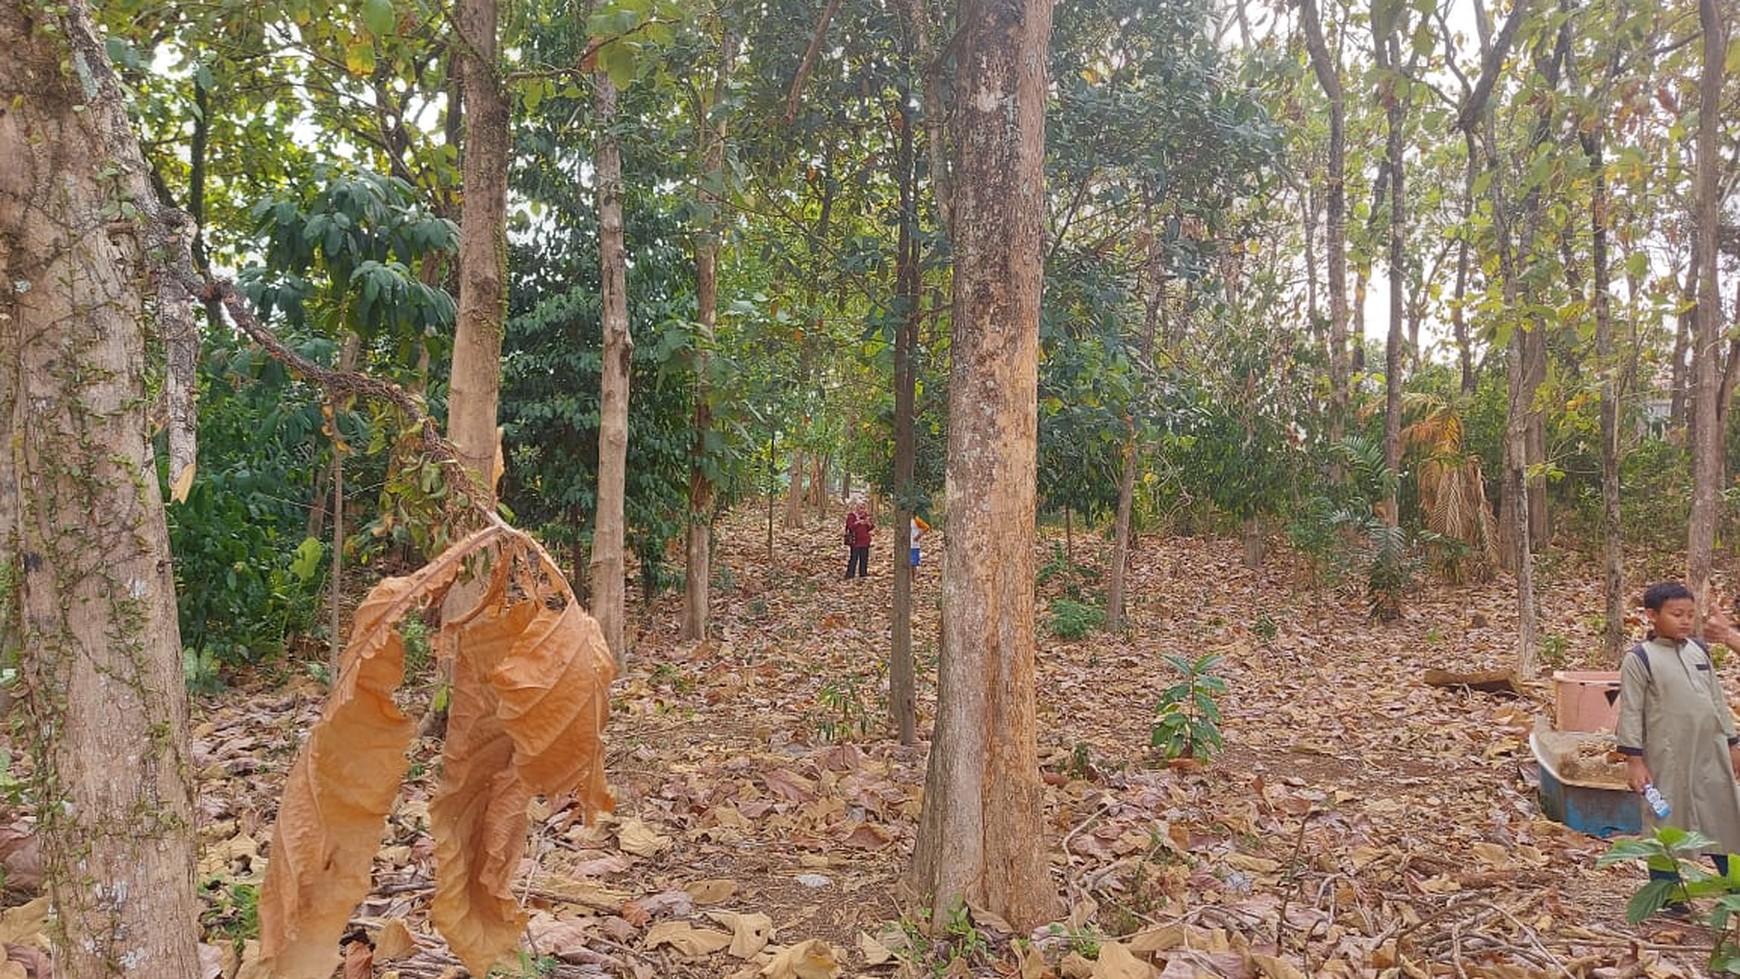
x: 609, y: 532
x: 1707, y: 461
x: 697, y: 578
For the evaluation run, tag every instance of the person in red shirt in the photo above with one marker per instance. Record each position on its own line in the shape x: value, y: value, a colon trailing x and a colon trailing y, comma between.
x: 859, y: 527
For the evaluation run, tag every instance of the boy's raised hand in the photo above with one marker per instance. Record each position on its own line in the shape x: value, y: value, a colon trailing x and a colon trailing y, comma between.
x: 1718, y: 627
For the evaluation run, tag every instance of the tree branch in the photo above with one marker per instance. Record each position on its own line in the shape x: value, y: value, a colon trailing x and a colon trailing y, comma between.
x: 1490, y: 68
x: 809, y: 62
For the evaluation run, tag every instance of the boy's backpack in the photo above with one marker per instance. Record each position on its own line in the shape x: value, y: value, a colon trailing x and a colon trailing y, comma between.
x: 1643, y: 656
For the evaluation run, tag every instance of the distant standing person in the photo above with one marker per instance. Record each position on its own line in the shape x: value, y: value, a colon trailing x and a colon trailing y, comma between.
x: 1675, y: 728
x: 918, y: 529
x: 859, y: 527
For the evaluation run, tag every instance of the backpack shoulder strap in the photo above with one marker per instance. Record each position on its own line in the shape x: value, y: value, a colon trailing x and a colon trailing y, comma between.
x: 1642, y: 657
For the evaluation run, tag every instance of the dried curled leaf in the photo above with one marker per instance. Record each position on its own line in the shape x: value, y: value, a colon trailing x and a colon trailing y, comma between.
x: 530, y: 691
x: 340, y: 790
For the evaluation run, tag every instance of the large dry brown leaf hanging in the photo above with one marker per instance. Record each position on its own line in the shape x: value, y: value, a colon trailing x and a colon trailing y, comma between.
x: 530, y: 691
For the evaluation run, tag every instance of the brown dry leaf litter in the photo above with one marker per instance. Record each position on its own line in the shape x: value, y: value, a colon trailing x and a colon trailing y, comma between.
x: 1359, y: 824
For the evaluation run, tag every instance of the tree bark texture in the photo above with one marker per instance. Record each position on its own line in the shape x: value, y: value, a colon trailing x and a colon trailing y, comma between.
x: 1607, y: 363
x: 1386, y: 49
x: 1707, y: 461
x: 902, y: 674
x: 981, y: 832
x: 1117, y: 580
x: 794, y: 493
x: 482, y: 313
x: 607, y: 571
x: 91, y: 599
x: 698, y: 543
x: 1328, y: 73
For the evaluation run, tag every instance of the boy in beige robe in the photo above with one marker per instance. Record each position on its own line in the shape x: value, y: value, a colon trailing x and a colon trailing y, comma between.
x: 1675, y: 727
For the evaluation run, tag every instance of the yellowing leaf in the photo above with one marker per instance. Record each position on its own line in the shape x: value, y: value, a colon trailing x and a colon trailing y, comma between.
x: 1273, y: 967
x: 1158, y: 939
x: 19, y: 924
x: 181, y: 484
x: 874, y: 952
x: 1250, y: 864
x: 686, y: 938
x: 527, y: 706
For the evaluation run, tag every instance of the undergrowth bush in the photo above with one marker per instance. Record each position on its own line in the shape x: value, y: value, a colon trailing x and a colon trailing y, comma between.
x: 1072, y: 619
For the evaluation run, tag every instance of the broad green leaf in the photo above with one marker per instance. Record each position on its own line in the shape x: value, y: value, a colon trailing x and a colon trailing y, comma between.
x: 378, y: 17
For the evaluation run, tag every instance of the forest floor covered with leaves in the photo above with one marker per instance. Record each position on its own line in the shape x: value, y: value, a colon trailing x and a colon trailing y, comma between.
x: 1357, y: 823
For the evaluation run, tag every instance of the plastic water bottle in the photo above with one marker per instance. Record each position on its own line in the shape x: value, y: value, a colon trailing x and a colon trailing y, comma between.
x: 1659, y: 805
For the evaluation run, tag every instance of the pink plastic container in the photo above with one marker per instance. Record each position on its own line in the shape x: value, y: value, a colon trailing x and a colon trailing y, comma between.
x: 1585, y: 700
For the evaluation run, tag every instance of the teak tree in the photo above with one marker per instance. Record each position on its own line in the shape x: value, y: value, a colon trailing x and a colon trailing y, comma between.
x: 1707, y: 462
x: 90, y: 602
x: 605, y: 575
x: 980, y: 831
x: 472, y: 407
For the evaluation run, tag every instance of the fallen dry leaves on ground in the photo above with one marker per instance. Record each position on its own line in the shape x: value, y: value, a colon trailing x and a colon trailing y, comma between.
x: 1358, y: 824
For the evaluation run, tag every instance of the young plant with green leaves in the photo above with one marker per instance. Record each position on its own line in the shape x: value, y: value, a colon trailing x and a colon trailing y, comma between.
x: 1680, y: 852
x: 1187, y: 719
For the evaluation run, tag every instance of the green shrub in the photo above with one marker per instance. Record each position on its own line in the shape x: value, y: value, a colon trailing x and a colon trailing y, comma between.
x: 1679, y: 851
x: 1187, y: 721
x: 1071, y: 619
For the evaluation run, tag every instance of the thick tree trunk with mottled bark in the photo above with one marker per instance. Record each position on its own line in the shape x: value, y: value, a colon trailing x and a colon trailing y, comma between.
x: 981, y: 834
x: 92, y: 602
x: 1707, y: 461
x: 607, y: 571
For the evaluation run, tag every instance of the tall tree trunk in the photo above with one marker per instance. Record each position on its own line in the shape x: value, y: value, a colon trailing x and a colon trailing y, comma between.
x: 607, y: 573
x: 981, y: 832
x: 698, y: 545
x: 1328, y: 73
x: 1514, y: 524
x: 1458, y: 314
x: 1684, y: 329
x: 794, y: 496
x: 1707, y: 462
x: 1116, y: 584
x: 91, y: 606
x: 476, y: 384
x: 1607, y: 363
x: 1386, y: 48
x: 902, y: 675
